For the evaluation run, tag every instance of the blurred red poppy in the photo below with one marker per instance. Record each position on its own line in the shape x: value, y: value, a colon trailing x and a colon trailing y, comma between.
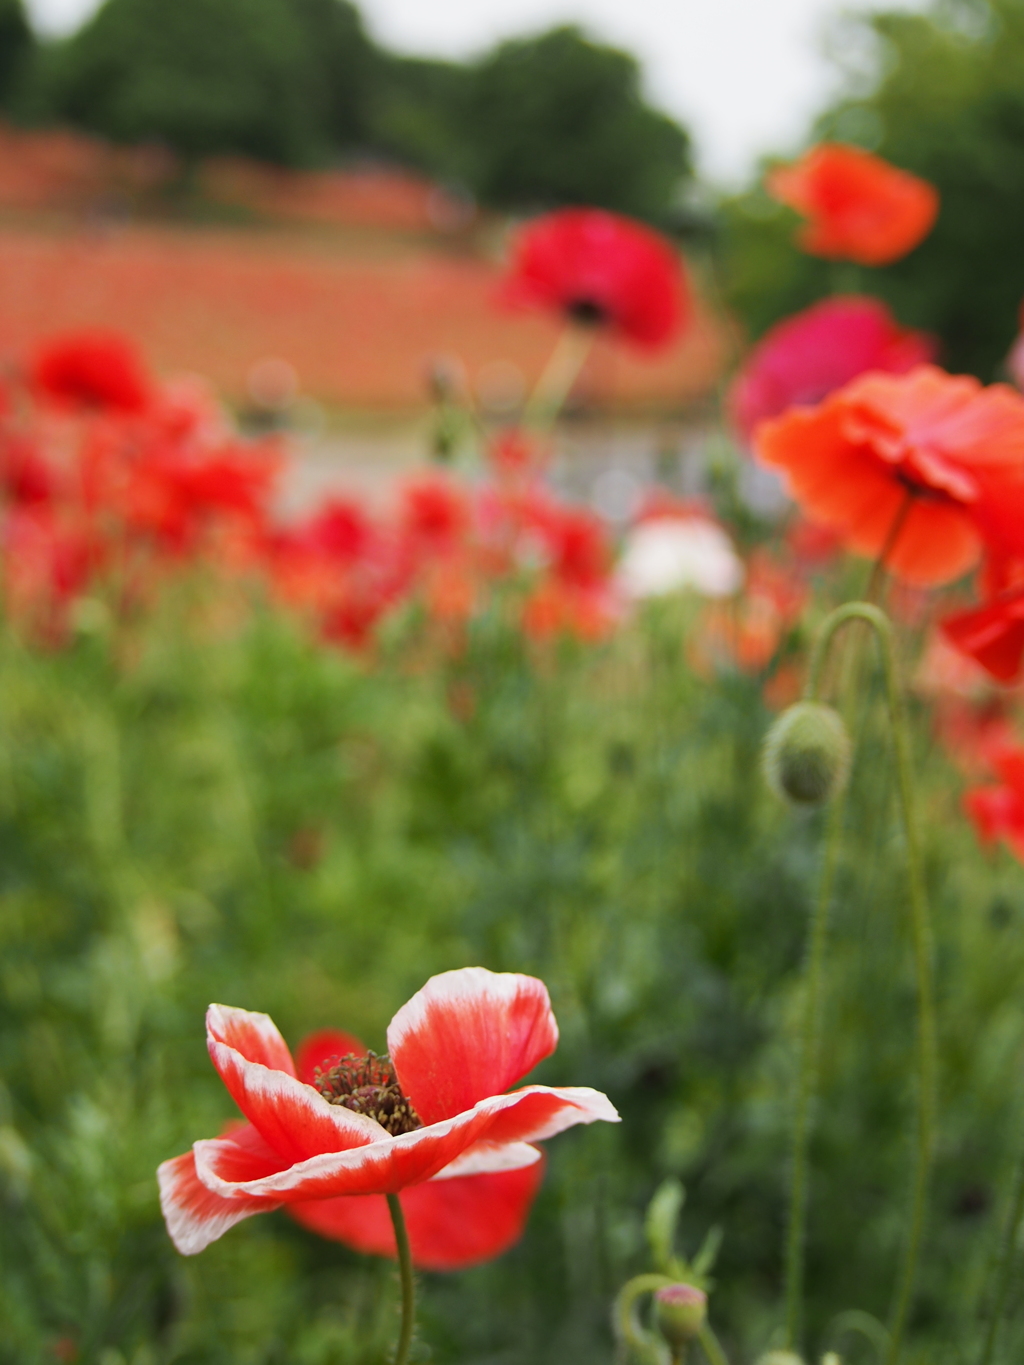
x: 998, y: 811
x: 598, y: 268
x: 858, y: 206
x: 992, y: 635
x: 803, y: 359
x: 903, y: 465
x: 91, y: 369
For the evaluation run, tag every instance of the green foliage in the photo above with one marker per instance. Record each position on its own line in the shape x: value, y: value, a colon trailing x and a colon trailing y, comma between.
x: 189, y: 813
x: 944, y: 99
x: 537, y: 122
x: 17, y: 45
x: 280, y: 79
x: 559, y: 118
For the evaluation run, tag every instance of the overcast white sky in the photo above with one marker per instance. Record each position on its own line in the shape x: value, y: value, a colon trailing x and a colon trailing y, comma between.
x: 744, y: 75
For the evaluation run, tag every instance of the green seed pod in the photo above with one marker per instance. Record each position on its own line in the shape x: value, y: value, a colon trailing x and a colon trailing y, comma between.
x: 679, y: 1311
x: 807, y: 754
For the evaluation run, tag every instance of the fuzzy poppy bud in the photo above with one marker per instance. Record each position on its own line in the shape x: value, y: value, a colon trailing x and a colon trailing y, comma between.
x: 807, y: 753
x: 679, y: 1311
x: 780, y: 1358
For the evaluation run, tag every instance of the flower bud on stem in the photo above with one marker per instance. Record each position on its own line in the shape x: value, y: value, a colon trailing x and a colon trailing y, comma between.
x: 810, y: 1028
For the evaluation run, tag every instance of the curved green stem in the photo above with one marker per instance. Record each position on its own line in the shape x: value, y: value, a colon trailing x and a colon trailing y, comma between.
x: 408, y: 1286
x: 1004, y: 1266
x: 922, y: 945
x: 810, y: 1044
x: 711, y: 1346
x: 643, y: 1344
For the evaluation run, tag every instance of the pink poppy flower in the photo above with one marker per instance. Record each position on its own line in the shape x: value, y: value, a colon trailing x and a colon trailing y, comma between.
x: 433, y: 1111
x: 803, y: 359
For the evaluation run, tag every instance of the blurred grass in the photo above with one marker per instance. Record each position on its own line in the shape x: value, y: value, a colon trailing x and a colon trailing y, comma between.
x: 207, y: 806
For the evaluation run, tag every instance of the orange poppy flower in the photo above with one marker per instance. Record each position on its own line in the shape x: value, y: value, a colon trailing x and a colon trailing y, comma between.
x: 859, y: 207
x: 903, y: 465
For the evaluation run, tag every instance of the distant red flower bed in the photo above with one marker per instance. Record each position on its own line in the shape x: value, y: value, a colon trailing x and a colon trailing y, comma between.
x: 359, y: 330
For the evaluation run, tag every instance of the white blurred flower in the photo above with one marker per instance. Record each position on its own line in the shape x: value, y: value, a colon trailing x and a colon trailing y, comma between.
x: 667, y: 554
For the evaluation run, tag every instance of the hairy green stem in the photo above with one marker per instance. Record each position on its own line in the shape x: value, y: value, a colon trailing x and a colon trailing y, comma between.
x: 1004, y: 1265
x: 408, y: 1286
x: 810, y: 1044
x: 927, y: 1064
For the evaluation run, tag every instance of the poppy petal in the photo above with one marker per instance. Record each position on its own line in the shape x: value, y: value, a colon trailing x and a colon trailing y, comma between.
x: 294, y: 1118
x: 254, y: 1036
x: 194, y: 1215
x: 452, y: 1223
x: 469, y: 1034
x: 393, y: 1163
x: 993, y: 635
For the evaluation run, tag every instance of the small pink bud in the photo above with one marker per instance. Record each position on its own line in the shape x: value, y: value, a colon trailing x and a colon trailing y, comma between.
x: 680, y: 1310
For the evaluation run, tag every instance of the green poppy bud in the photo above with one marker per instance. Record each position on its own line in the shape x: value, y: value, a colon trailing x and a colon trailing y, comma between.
x: 807, y: 753
x: 679, y: 1311
x: 780, y: 1358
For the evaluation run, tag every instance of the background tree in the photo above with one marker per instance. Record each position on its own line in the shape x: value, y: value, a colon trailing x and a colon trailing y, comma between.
x: 943, y: 97
x: 279, y: 79
x: 16, y: 47
x: 560, y: 119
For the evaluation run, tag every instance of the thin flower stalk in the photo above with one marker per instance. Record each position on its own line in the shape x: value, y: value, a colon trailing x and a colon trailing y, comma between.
x: 921, y: 936
x: 1004, y: 1266
x: 408, y: 1284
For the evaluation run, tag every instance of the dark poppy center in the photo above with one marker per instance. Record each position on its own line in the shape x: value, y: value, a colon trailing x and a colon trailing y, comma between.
x: 368, y: 1085
x: 587, y: 312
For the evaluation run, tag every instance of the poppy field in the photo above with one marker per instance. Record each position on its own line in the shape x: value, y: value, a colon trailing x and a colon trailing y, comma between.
x: 467, y: 930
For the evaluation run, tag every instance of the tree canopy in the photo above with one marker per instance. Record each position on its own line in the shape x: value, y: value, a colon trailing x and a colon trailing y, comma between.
x: 943, y: 96
x: 540, y: 121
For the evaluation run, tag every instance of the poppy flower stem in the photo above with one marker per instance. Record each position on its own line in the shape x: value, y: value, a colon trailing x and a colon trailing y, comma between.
x: 559, y: 375
x: 921, y: 936
x: 1004, y: 1266
x: 408, y: 1286
x: 881, y: 564
x: 810, y: 1045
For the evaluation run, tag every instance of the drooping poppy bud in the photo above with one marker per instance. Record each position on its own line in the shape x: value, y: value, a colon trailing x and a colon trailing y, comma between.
x: 807, y: 754
x: 679, y: 1311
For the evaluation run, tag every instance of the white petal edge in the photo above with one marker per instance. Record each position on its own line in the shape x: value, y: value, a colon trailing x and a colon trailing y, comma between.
x: 191, y: 1232
x: 581, y: 1105
x: 485, y: 1158
x: 459, y: 986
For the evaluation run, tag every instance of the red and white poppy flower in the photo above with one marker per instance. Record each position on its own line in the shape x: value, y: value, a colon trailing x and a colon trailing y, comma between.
x: 433, y: 1111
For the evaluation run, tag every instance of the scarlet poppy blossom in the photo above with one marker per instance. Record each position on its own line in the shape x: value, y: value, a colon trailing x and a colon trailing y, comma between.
x: 992, y: 634
x: 903, y: 464
x: 91, y: 369
x: 805, y: 358
x: 434, y: 1109
x: 858, y: 206
x: 998, y: 811
x: 599, y: 268
x: 451, y: 1223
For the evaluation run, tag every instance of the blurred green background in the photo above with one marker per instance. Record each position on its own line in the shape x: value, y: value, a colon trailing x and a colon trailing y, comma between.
x: 189, y: 814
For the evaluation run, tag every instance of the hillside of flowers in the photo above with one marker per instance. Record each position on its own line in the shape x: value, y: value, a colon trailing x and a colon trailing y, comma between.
x: 463, y: 929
